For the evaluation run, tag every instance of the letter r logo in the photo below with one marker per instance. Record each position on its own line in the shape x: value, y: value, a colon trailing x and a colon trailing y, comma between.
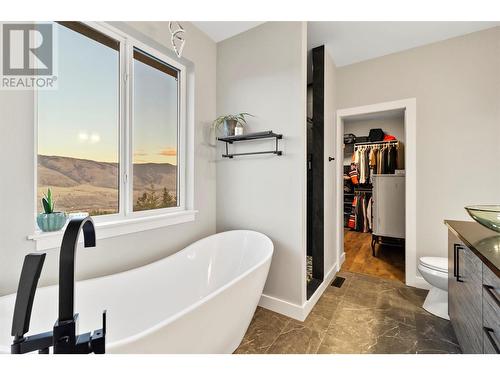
x: 27, y: 49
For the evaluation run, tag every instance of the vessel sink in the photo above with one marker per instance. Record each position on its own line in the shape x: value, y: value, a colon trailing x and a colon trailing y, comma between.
x: 486, y: 215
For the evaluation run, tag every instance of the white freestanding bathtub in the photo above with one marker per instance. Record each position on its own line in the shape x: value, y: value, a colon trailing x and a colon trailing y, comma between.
x: 199, y: 300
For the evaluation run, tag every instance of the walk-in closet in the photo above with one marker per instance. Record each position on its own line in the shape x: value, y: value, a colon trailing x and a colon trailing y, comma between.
x: 374, y: 194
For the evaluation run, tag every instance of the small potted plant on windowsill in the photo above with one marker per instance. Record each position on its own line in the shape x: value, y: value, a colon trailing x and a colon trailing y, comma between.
x: 230, y: 125
x: 50, y: 220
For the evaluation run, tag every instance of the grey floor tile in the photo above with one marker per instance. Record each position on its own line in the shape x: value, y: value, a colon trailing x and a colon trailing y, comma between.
x: 361, y: 329
x: 297, y: 338
x: 366, y: 315
x: 435, y: 335
x: 265, y: 327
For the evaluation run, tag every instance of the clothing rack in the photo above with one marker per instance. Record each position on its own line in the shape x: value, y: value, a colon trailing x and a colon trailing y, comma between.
x: 363, y: 189
x: 395, y: 141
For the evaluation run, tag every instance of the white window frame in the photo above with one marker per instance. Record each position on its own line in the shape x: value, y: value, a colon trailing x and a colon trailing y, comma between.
x: 126, y: 220
x: 181, y: 133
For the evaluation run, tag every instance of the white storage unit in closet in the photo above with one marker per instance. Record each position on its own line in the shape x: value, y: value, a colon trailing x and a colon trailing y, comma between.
x: 389, y: 205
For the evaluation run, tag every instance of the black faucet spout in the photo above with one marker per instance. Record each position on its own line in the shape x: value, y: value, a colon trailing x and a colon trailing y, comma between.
x: 67, y: 262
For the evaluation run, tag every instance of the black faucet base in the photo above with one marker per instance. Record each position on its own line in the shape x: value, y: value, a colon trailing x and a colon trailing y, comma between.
x: 63, y: 337
x: 67, y: 342
x: 41, y: 342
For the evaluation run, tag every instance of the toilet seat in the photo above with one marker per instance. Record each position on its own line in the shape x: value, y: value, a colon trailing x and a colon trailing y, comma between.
x: 435, y: 263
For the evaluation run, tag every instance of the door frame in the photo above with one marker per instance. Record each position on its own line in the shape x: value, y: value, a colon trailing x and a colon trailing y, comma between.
x: 409, y: 106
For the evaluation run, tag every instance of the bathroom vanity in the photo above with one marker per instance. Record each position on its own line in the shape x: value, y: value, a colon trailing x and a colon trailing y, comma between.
x: 474, y: 286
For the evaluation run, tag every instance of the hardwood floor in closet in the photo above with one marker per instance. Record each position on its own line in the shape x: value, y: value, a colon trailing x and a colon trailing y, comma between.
x: 388, y: 264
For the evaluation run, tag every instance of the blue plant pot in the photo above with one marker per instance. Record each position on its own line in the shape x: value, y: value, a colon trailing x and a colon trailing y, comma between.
x: 51, y: 222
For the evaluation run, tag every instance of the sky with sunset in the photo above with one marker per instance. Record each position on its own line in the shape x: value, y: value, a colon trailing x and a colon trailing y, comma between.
x: 80, y: 118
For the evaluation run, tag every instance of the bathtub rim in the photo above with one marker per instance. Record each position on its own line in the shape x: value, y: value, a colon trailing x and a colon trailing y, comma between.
x: 187, y: 309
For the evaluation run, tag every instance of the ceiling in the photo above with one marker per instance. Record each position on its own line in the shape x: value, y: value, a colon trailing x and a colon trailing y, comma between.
x: 220, y: 30
x: 384, y: 115
x: 351, y: 42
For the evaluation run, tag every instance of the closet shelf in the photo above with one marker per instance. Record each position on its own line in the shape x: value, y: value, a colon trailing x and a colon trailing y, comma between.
x: 250, y: 137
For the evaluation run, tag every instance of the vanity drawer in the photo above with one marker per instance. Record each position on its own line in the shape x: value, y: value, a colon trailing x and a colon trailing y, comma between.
x: 491, y: 312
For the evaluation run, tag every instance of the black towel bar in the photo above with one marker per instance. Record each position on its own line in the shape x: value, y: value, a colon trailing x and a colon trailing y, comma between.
x: 249, y: 137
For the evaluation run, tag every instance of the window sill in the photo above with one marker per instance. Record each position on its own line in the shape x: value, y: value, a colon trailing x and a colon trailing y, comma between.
x: 52, y: 240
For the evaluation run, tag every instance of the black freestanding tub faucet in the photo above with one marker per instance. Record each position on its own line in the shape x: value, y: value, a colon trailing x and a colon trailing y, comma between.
x: 64, y: 337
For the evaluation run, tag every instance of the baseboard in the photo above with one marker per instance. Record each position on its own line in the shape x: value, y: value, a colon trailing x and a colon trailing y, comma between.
x: 293, y: 310
x: 281, y: 307
x: 342, y: 260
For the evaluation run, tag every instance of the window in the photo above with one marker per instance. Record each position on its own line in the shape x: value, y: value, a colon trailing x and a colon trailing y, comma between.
x: 78, y: 125
x: 155, y: 144
x: 111, y: 137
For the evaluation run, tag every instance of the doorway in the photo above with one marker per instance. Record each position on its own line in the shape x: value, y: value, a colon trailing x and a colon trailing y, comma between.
x: 374, y: 165
x: 364, y: 247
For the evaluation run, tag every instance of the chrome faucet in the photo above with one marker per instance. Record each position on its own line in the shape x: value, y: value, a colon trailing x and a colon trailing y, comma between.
x: 63, y: 337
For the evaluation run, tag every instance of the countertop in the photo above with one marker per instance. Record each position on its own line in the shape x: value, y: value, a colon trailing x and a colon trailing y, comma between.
x: 483, y: 242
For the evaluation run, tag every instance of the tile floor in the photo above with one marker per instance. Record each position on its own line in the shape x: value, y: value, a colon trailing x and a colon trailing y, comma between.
x: 366, y: 315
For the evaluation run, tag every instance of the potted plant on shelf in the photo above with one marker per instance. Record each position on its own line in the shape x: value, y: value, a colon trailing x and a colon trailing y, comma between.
x: 229, y: 125
x: 50, y: 220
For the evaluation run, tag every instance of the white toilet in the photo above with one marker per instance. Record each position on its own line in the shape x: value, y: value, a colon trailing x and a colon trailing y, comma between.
x: 435, y: 271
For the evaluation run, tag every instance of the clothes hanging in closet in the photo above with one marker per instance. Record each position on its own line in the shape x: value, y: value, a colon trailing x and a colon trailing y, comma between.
x: 376, y: 159
x: 362, y: 167
x: 366, y: 228
x: 367, y: 165
x: 382, y: 161
x: 352, y: 218
x: 360, y: 219
x: 391, y: 160
x: 401, y: 156
x: 354, y: 173
x: 373, y: 161
x: 362, y: 160
x: 369, y: 213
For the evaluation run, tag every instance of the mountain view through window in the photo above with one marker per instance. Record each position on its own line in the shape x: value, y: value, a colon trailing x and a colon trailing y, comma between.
x: 79, y: 137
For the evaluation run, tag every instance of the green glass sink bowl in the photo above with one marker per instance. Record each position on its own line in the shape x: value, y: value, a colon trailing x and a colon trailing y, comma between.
x: 486, y: 215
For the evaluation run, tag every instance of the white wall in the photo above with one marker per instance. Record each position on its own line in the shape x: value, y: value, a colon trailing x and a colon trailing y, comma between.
x: 263, y: 71
x: 456, y: 84
x: 119, y: 253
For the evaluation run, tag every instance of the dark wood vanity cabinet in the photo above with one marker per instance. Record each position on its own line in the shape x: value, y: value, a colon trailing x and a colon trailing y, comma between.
x: 473, y: 298
x: 465, y: 296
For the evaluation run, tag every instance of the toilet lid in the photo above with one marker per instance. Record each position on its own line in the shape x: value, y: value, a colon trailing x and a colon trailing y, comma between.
x: 435, y: 263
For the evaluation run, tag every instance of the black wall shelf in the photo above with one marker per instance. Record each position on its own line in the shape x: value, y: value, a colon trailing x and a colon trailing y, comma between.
x: 250, y: 137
